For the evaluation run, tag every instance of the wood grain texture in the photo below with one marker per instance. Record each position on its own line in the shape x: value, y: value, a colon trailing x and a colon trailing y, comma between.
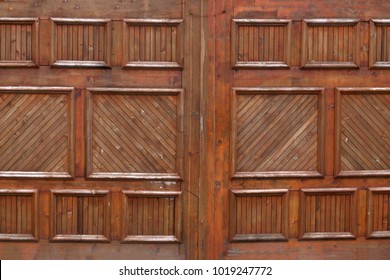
x: 19, y: 42
x: 18, y: 215
x: 81, y: 42
x: 152, y: 43
x: 134, y: 133
x: 151, y: 216
x: 277, y: 132
x: 261, y: 43
x: 328, y: 213
x: 80, y: 215
x: 36, y: 132
x: 330, y: 43
x: 259, y: 215
x: 362, y: 135
x: 379, y: 44
x: 378, y: 212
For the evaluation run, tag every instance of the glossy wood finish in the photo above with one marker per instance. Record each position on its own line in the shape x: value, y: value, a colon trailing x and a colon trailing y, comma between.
x: 195, y: 129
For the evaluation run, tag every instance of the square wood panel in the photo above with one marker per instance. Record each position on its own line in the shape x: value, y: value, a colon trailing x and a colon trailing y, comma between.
x: 362, y: 132
x: 259, y: 215
x: 151, y: 216
x: 152, y: 43
x: 261, y: 43
x: 135, y: 133
x: 330, y: 43
x: 36, y: 132
x: 328, y: 213
x: 277, y: 132
x: 80, y: 215
x: 18, y: 215
x: 81, y: 42
x: 19, y: 42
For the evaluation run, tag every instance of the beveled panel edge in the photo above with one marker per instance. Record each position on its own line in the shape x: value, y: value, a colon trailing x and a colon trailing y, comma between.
x: 279, y: 90
x: 23, y: 237
x: 327, y: 235
x: 176, y: 238
x: 136, y: 91
x: 339, y: 91
x: 54, y: 237
x: 284, y: 236
x: 70, y: 91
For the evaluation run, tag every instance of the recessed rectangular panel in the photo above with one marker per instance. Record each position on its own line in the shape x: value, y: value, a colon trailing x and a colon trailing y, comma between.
x: 277, y: 132
x: 379, y: 43
x: 378, y: 222
x: 18, y: 42
x: 259, y: 215
x: 151, y: 216
x: 362, y: 132
x: 80, y: 215
x: 135, y: 133
x: 264, y: 43
x: 18, y: 215
x: 81, y: 42
x: 152, y: 43
x: 330, y: 43
x: 328, y: 213
x: 36, y: 132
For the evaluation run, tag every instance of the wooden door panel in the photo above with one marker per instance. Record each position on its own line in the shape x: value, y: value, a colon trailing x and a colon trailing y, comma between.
x: 279, y: 135
x: 92, y: 97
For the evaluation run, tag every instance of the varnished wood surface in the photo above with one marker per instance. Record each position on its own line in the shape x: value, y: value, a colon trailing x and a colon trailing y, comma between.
x: 194, y: 129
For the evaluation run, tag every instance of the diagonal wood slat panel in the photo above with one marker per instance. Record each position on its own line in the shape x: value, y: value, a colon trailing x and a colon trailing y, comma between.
x: 134, y: 133
x: 364, y: 137
x: 278, y: 131
x: 36, y: 136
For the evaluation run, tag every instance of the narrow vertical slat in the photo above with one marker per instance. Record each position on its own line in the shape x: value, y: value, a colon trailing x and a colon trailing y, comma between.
x: 30, y: 221
x: 148, y: 43
x: 142, y: 43
x: 274, y: 214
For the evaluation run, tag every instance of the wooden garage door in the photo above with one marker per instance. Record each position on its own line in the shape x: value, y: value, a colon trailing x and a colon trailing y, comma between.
x: 302, y: 130
x: 194, y: 129
x: 99, y: 117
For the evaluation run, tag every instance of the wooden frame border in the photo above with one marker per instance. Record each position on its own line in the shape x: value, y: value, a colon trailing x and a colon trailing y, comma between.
x: 34, y: 210
x: 71, y: 139
x: 373, y: 63
x: 236, y: 64
x: 80, y: 237
x: 271, y: 91
x: 370, y: 210
x: 127, y: 64
x: 337, y: 164
x: 328, y: 235
x: 284, y: 193
x: 306, y: 23
x: 78, y: 63
x: 137, y: 91
x: 176, y: 238
x: 33, y: 63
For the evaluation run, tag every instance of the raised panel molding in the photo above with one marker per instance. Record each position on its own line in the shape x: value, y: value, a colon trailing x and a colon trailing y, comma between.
x: 151, y: 216
x: 152, y: 43
x: 379, y: 53
x: 259, y: 215
x: 362, y: 132
x: 328, y: 213
x: 18, y: 215
x: 378, y: 214
x: 80, y: 215
x: 135, y: 133
x: 36, y: 131
x: 277, y: 132
x: 19, y: 42
x: 81, y: 42
x: 261, y: 43
x: 330, y: 43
